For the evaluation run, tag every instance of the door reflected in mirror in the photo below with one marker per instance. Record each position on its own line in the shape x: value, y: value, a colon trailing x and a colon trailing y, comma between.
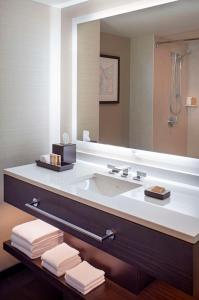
x: 138, y: 79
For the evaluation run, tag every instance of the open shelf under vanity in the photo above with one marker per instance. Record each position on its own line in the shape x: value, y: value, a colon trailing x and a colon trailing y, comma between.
x: 107, y: 291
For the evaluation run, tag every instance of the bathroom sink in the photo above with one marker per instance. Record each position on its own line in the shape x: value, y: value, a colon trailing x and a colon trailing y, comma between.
x: 105, y: 185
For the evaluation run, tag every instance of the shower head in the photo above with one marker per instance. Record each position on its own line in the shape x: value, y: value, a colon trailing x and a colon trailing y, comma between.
x: 187, y: 52
x: 179, y: 57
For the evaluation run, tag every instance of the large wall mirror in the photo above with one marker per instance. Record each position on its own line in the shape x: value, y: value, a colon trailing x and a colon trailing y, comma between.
x: 138, y: 79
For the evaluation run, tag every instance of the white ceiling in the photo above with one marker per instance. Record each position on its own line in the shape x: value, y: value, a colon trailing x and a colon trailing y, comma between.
x: 164, y: 21
x: 60, y: 3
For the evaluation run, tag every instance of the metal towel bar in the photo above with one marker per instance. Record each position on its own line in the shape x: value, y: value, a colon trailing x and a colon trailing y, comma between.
x: 109, y: 234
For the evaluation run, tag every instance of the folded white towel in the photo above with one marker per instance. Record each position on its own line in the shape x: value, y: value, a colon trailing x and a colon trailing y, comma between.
x: 59, y: 255
x: 37, y: 252
x: 46, y: 242
x: 84, y: 275
x: 30, y: 254
x: 61, y: 270
x: 89, y: 288
x: 35, y: 231
x: 45, y: 158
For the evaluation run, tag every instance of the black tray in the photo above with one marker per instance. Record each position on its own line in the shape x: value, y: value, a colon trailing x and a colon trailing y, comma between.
x: 63, y: 167
x: 157, y: 195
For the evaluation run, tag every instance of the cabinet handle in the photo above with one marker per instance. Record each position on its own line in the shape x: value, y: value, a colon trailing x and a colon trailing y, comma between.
x: 109, y: 234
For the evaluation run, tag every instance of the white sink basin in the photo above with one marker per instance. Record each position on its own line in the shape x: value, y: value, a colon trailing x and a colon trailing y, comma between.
x: 105, y: 185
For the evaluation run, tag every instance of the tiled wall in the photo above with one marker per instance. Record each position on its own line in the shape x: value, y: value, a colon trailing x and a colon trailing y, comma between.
x: 171, y: 140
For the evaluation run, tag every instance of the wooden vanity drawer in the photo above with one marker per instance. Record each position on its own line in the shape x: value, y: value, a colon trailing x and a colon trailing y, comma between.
x: 57, y: 209
x: 154, y: 253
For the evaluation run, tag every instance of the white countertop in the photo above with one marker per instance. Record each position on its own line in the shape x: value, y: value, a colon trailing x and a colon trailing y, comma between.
x: 177, y: 216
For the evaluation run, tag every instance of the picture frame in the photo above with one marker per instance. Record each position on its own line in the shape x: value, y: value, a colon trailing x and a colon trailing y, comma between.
x: 109, y: 90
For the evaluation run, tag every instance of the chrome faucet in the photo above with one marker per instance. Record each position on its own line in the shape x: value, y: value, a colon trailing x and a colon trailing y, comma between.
x: 125, y: 171
x: 140, y: 175
x: 114, y: 169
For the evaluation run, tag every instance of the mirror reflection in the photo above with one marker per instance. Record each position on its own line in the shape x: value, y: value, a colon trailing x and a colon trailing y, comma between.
x: 138, y: 79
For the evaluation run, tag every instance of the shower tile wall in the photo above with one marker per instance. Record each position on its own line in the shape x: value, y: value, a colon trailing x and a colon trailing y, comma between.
x: 193, y: 90
x: 167, y: 139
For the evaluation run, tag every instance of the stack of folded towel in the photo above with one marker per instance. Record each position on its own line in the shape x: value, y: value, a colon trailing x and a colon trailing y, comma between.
x: 35, y: 237
x: 60, y: 259
x: 84, y: 277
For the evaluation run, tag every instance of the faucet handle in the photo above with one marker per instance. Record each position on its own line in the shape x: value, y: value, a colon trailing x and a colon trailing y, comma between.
x: 125, y: 171
x: 140, y: 175
x: 113, y: 169
x: 110, y: 166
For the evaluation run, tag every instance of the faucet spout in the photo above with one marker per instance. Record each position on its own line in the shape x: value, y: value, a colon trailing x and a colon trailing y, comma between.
x: 140, y: 175
x: 123, y: 169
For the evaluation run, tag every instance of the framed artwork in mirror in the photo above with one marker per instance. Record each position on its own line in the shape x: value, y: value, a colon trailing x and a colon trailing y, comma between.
x: 109, y: 89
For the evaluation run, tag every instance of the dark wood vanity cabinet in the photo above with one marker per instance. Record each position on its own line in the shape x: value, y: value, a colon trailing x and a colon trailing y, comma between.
x: 153, y: 253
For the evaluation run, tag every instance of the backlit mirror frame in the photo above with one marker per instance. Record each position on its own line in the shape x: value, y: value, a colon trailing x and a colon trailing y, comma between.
x: 83, y: 146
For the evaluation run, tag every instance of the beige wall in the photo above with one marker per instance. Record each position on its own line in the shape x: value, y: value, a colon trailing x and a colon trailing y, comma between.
x: 25, y: 52
x: 193, y: 90
x: 172, y: 140
x: 141, y: 103
x: 114, y: 118
x: 88, y: 55
x: 9, y: 217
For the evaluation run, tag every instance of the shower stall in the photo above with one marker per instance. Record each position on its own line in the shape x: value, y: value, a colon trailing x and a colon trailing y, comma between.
x: 175, y: 120
x: 170, y: 93
x: 175, y: 99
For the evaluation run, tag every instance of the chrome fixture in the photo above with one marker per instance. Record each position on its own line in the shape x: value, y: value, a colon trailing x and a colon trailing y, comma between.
x: 35, y: 202
x: 140, y: 175
x: 108, y: 235
x: 172, y: 121
x: 158, y: 43
x: 123, y: 169
x: 125, y: 172
x: 113, y: 169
